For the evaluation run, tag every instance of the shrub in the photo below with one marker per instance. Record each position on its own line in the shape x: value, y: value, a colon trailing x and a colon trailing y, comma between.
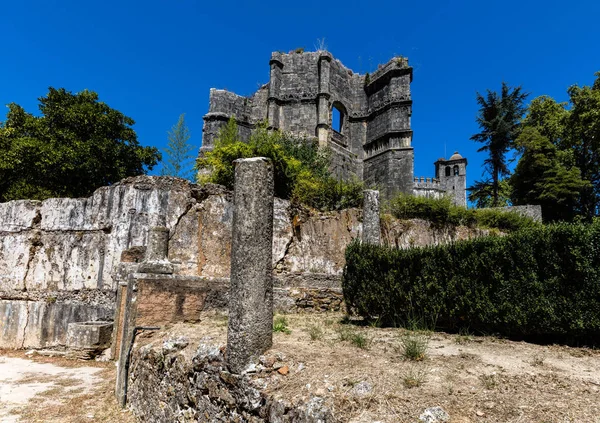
x: 300, y: 167
x: 542, y: 281
x: 441, y: 212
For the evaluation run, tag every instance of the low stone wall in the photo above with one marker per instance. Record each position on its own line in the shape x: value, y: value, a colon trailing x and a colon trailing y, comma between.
x: 173, y: 381
x: 44, y: 324
x: 61, y: 260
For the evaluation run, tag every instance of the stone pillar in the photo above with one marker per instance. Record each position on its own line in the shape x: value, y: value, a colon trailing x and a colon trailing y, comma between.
x: 276, y: 65
x: 371, y: 229
x: 323, y: 97
x: 250, y: 331
x: 157, y: 252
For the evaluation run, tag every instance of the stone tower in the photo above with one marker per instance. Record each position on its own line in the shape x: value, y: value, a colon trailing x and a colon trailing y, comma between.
x: 452, y: 176
x: 364, y: 119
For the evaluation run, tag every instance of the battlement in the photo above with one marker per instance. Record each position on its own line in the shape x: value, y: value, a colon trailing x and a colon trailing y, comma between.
x: 427, y: 183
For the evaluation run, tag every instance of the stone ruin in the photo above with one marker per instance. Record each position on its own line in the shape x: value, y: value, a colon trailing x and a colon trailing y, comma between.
x: 364, y: 119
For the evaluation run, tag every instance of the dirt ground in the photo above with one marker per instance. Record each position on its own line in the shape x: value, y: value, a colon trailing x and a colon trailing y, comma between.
x: 363, y: 373
x: 35, y: 389
x: 365, y: 376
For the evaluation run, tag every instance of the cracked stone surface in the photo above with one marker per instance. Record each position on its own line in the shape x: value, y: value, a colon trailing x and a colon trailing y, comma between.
x: 59, y: 258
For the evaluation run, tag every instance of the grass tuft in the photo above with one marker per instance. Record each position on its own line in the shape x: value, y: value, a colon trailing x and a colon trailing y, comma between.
x: 280, y: 324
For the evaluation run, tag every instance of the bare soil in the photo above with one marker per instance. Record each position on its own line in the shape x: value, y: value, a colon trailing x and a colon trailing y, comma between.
x: 37, y: 389
x: 363, y: 373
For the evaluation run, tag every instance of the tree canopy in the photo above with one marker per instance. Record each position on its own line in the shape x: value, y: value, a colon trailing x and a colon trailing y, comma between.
x: 560, y: 163
x: 75, y: 145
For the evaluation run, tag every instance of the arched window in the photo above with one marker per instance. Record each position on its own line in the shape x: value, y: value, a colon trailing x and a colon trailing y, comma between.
x: 337, y: 118
x: 455, y: 170
x: 447, y: 170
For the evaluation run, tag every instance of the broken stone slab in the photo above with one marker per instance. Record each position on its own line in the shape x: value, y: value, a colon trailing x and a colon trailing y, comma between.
x: 86, y: 340
x: 434, y: 415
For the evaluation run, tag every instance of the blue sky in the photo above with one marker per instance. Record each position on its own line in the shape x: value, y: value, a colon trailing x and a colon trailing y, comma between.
x: 153, y: 60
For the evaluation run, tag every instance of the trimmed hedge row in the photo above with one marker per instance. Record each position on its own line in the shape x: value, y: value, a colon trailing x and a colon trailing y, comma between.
x: 542, y: 281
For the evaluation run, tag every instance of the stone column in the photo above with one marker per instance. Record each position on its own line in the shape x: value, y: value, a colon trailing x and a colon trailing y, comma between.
x: 157, y: 252
x: 371, y: 228
x: 250, y: 330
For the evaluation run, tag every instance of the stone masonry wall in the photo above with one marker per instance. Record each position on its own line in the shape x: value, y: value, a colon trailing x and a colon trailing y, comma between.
x: 60, y: 258
x: 299, y: 98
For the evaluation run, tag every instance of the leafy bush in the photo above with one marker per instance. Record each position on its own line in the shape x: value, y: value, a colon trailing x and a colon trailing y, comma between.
x: 542, y: 281
x: 442, y: 212
x: 300, y: 167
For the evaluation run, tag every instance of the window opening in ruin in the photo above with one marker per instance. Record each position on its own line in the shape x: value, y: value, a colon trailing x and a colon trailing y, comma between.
x: 447, y: 170
x: 455, y: 170
x: 337, y: 119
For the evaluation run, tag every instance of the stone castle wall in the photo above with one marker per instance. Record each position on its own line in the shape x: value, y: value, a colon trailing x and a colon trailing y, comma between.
x: 373, y: 142
x: 61, y: 260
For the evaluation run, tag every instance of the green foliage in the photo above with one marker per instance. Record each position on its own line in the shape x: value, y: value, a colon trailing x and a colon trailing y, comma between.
x: 179, y: 157
x: 414, y: 346
x: 441, y: 212
x: 569, y: 168
x: 367, y: 79
x: 541, y: 177
x: 280, y: 324
x: 76, y: 145
x: 499, y: 120
x: 481, y: 193
x: 542, y: 281
x: 300, y: 167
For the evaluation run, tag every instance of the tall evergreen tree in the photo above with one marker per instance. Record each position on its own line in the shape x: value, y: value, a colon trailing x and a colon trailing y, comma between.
x: 542, y: 177
x: 499, y: 119
x: 179, y: 160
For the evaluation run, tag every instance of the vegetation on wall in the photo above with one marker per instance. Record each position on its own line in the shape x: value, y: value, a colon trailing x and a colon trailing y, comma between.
x: 301, y: 168
x: 76, y: 145
x: 441, y: 212
x: 543, y: 281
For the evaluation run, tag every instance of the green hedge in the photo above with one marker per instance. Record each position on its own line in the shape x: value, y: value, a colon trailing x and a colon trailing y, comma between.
x: 441, y: 212
x: 537, y: 282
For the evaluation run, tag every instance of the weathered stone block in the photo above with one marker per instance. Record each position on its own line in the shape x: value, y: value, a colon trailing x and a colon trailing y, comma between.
x: 87, y: 339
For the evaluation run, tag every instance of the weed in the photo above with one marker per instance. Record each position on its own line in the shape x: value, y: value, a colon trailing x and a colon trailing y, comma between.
x: 464, y: 336
x: 537, y: 360
x: 489, y: 381
x: 414, y: 377
x: 315, y: 332
x: 361, y: 341
x: 414, y: 346
x: 280, y: 324
x: 357, y: 339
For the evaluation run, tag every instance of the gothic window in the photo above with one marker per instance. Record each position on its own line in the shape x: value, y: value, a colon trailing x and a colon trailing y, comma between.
x: 447, y: 170
x: 455, y: 170
x: 337, y: 119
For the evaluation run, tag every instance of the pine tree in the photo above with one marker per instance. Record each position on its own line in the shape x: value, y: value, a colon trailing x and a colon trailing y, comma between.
x: 179, y: 158
x: 499, y: 119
